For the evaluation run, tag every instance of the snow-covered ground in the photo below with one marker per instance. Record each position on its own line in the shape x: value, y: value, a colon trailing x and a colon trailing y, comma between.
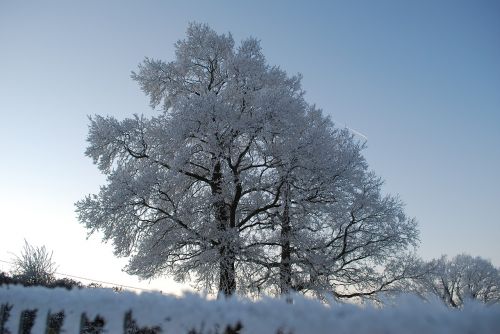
x: 179, y: 315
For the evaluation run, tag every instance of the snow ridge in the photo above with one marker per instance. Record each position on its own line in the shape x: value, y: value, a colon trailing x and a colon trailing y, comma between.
x: 408, y: 314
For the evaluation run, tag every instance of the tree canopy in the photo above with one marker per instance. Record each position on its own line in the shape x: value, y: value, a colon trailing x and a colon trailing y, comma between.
x: 237, y: 183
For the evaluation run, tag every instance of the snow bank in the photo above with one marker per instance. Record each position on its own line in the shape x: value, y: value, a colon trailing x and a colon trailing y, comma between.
x: 181, y: 314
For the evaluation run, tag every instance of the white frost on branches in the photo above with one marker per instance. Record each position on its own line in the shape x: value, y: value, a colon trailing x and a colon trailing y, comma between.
x: 239, y: 183
x: 462, y: 279
x: 34, y: 265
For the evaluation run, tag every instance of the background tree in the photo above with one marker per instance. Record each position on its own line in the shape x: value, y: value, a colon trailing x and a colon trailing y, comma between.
x: 463, y: 278
x: 361, y: 246
x: 34, y: 265
x: 237, y: 179
x: 348, y: 241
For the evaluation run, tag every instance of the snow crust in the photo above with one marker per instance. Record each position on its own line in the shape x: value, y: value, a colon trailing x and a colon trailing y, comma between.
x: 268, y: 315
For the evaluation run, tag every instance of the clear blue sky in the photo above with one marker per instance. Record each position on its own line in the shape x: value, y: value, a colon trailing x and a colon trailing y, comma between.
x: 421, y: 79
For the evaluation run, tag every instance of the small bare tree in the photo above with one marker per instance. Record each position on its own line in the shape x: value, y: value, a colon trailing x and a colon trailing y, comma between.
x: 34, y: 266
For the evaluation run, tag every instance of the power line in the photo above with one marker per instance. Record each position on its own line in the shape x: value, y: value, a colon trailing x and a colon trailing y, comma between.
x: 104, y: 282
x: 94, y: 280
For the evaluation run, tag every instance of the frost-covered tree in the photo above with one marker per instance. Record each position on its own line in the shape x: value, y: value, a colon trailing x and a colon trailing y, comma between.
x: 341, y: 238
x: 237, y: 179
x: 307, y: 154
x: 34, y: 265
x: 334, y: 233
x: 186, y: 187
x: 358, y: 245
x: 461, y: 279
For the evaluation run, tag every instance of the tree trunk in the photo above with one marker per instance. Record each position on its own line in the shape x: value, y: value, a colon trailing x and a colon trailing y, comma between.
x: 227, y: 278
x: 227, y: 258
x: 286, y: 249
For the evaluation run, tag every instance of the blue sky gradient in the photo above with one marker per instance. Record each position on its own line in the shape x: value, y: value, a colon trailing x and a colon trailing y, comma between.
x: 420, y: 79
